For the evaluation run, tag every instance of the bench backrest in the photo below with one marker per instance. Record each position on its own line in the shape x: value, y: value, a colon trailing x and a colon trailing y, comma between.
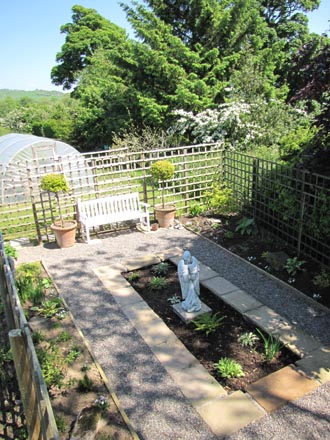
x: 111, y: 205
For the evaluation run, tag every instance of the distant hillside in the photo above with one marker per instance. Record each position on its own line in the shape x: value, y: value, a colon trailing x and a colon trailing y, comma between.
x: 35, y: 95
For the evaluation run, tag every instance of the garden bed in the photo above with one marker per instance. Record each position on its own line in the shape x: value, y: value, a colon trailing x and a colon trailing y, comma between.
x: 223, y: 342
x: 80, y: 399
x: 266, y: 252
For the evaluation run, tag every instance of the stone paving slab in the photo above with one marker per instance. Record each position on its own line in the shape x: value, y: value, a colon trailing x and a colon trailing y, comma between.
x: 197, y: 384
x: 316, y: 364
x: 205, y: 272
x: 137, y: 263
x: 229, y: 414
x: 219, y: 286
x: 188, y: 317
x: 267, y: 319
x: 281, y: 387
x: 297, y: 340
x: 241, y: 301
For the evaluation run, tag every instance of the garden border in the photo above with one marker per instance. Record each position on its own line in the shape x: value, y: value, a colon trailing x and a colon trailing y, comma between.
x: 201, y: 389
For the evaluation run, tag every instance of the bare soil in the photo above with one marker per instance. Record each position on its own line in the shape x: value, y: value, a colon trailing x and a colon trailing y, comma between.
x: 222, y: 343
x: 262, y: 251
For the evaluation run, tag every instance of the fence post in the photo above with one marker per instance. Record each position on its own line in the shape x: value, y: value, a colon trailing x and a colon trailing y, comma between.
x: 6, y: 298
x: 186, y: 180
x: 23, y: 369
x: 302, y: 210
x: 255, y: 175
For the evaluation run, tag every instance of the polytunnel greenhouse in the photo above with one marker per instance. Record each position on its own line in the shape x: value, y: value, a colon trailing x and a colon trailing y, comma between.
x: 24, y: 156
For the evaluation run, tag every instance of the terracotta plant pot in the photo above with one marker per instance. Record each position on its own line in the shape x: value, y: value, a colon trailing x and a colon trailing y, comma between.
x: 165, y: 216
x: 65, y: 236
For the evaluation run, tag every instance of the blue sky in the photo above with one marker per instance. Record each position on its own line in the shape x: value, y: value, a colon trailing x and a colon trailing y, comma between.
x: 30, y: 36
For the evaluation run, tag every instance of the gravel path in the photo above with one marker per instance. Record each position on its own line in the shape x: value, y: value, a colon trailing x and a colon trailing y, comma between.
x: 161, y: 411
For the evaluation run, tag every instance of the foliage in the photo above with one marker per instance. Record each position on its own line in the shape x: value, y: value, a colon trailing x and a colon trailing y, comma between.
x: 55, y: 183
x: 229, y: 368
x: 5, y: 358
x: 161, y: 268
x: 140, y: 139
x: 221, y: 200
x: 293, y: 265
x: 157, y: 283
x: 52, y: 365
x: 161, y: 171
x: 272, y: 346
x: 196, y: 209
x: 85, y: 384
x: 11, y: 251
x: 175, y: 299
x: 322, y: 279
x: 73, y: 354
x: 248, y: 339
x: 208, y: 323
x: 133, y: 277
x: 49, y: 307
x: 28, y: 280
x: 246, y: 226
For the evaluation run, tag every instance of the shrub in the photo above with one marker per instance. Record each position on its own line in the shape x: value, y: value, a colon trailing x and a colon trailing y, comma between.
x: 221, y: 201
x: 229, y: 368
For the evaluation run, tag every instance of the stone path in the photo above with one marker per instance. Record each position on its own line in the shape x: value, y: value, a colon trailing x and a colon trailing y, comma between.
x: 147, y: 367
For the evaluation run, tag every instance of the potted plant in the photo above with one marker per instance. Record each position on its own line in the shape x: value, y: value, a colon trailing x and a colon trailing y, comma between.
x: 161, y: 171
x: 64, y: 230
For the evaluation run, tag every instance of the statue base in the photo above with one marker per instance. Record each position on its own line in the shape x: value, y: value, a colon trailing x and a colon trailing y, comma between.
x: 189, y: 316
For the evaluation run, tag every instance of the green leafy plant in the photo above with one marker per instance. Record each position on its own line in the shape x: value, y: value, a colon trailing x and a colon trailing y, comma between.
x: 85, y: 384
x: 52, y: 365
x: 11, y: 251
x: 161, y: 171
x: 161, y: 268
x: 38, y: 337
x: 246, y: 226
x: 221, y: 200
x: 175, y: 299
x: 63, y: 337
x: 229, y: 368
x: 293, y: 265
x: 196, y: 209
x: 208, y: 323
x: 55, y: 183
x: 157, y: 283
x: 48, y: 308
x: 73, y: 354
x: 133, y: 277
x: 228, y: 235
x: 248, y: 339
x: 60, y: 423
x: 46, y: 283
x: 28, y: 280
x: 272, y: 346
x: 322, y: 279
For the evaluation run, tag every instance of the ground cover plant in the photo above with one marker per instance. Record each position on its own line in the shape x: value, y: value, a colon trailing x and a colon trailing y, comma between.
x: 74, y: 383
x: 242, y: 236
x: 229, y: 347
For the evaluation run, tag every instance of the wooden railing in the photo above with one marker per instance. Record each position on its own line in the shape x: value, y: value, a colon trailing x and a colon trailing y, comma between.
x: 38, y: 411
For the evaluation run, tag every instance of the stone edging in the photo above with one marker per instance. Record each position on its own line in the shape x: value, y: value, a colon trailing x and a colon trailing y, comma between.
x: 205, y: 394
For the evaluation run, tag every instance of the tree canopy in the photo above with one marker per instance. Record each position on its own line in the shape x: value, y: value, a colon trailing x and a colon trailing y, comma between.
x: 189, y: 55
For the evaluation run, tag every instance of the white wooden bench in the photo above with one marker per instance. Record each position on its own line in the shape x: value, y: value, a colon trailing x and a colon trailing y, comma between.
x: 111, y: 209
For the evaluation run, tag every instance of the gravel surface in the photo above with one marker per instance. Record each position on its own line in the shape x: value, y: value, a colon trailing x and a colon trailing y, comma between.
x: 155, y: 406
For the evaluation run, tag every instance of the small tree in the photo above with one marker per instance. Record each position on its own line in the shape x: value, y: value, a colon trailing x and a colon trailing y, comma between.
x: 55, y: 183
x: 161, y: 171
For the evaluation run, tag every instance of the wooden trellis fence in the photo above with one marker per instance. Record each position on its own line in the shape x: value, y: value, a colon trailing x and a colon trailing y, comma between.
x: 36, y: 403
x: 290, y: 203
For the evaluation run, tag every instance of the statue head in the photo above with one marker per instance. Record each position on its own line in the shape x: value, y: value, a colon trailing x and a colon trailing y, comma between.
x: 186, y: 257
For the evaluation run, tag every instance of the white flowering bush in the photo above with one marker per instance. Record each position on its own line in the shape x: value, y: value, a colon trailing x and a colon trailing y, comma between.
x: 241, y: 126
